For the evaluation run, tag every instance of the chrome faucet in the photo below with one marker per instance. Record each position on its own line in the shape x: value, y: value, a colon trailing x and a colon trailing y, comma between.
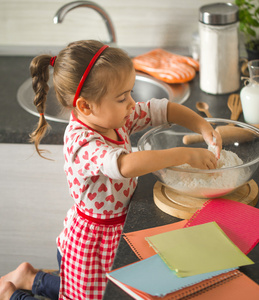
x: 60, y: 14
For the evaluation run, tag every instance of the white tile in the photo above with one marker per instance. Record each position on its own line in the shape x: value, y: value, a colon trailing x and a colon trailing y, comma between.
x: 142, y: 23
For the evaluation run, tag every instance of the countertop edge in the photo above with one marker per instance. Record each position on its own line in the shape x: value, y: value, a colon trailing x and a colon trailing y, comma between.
x: 33, y: 50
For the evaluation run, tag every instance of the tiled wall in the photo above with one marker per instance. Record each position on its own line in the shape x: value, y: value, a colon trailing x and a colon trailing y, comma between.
x: 138, y: 23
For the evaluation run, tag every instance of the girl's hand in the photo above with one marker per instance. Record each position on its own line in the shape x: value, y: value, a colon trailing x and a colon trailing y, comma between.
x: 184, y: 116
x: 213, y: 139
x: 200, y: 158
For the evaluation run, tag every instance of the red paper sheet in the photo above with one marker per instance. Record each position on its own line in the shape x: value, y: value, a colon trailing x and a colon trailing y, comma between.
x: 239, y: 221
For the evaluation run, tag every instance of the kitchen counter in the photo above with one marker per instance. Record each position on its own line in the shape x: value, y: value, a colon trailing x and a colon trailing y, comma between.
x: 16, y: 124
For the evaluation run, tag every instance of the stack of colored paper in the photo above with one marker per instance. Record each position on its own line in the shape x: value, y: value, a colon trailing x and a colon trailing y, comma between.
x: 189, y: 260
x: 194, y: 256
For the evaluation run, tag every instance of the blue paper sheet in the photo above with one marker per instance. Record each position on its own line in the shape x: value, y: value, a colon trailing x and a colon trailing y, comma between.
x: 152, y: 276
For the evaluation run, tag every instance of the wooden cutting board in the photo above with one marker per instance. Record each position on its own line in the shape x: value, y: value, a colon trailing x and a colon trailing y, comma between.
x: 183, y: 207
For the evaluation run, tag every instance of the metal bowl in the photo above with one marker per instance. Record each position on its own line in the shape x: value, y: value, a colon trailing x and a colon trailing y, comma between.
x: 239, y: 138
x: 145, y: 88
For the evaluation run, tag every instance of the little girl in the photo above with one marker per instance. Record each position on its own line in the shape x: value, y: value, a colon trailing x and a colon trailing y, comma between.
x: 96, y: 83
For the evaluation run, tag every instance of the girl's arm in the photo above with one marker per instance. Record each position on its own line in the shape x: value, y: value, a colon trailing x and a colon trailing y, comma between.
x: 144, y: 162
x: 186, y: 117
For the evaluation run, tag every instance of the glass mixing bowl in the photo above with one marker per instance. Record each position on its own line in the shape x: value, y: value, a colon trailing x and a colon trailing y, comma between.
x: 232, y: 172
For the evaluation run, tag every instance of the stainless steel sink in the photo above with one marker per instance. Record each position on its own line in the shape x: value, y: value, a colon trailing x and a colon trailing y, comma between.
x: 146, y: 87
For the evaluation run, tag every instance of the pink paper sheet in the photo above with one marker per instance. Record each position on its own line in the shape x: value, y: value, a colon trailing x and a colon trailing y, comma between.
x: 239, y: 221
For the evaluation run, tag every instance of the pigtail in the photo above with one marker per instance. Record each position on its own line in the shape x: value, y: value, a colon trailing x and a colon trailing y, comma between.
x: 39, y: 69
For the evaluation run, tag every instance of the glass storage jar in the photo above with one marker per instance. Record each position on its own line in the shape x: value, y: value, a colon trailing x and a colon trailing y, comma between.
x: 219, y: 48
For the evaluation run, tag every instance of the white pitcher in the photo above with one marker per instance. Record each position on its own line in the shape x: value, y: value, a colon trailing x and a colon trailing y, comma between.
x: 250, y: 94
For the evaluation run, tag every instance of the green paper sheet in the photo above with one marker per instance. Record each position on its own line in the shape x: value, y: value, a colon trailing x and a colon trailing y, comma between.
x: 197, y: 250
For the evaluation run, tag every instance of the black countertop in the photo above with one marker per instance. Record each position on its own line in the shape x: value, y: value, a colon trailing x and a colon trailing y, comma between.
x: 16, y: 124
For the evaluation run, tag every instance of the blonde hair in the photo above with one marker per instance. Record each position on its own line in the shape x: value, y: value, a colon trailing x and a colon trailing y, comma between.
x: 69, y: 67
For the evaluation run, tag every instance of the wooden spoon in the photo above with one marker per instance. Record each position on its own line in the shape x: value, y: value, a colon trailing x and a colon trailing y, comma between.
x: 234, y: 104
x: 204, y: 107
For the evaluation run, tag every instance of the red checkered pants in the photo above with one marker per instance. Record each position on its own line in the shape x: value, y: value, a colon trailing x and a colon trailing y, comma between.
x: 89, y: 252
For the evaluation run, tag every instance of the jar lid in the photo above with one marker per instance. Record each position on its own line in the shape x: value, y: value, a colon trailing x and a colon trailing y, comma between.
x: 219, y: 14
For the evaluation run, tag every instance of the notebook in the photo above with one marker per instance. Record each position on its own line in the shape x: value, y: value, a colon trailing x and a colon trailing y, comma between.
x: 199, y: 249
x: 136, y: 239
x: 239, y: 221
x: 152, y: 279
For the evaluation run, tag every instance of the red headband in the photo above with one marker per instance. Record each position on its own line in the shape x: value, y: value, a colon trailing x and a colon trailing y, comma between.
x: 52, y: 61
x: 88, y: 69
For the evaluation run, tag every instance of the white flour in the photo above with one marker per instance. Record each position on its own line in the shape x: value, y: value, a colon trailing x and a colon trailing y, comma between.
x: 208, y: 185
